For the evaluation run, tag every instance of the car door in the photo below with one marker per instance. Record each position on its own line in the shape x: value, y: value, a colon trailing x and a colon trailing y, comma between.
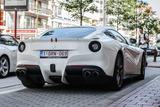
x: 131, y: 54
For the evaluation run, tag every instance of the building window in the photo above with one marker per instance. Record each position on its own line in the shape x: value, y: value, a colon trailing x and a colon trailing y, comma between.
x: 38, y: 4
x: 29, y: 22
x: 59, y: 24
x: 32, y: 4
x: 56, y: 11
x: 59, y: 11
x: 39, y: 21
x: 44, y: 5
x: 44, y: 23
x: 11, y: 21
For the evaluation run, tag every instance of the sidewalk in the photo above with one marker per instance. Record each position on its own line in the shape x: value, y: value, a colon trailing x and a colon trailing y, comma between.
x: 153, y: 64
x: 147, y: 95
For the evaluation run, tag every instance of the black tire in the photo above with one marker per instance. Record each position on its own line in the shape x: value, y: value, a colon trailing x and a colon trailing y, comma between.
x: 4, y: 67
x: 143, y: 64
x: 118, y: 73
x: 33, y: 84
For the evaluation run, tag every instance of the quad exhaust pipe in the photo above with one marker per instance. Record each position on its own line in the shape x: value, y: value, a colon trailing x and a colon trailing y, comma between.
x: 90, y: 74
x: 95, y: 74
x: 20, y: 73
x: 87, y: 74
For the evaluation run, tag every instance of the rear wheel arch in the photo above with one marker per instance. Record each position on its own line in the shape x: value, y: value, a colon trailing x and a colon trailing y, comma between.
x: 121, y: 53
x: 118, y: 71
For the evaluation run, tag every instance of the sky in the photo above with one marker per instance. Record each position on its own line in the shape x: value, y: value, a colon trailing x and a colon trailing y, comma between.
x: 155, y: 4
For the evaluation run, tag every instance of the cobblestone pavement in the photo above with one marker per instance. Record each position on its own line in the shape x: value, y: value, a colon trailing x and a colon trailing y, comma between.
x: 153, y: 64
x: 147, y: 95
x: 65, y: 96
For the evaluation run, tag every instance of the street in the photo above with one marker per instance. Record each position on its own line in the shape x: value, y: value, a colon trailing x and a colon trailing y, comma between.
x: 95, y: 46
x: 13, y: 94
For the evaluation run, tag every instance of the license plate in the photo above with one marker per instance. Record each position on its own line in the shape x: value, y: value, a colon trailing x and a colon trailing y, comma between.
x: 149, y: 51
x: 53, y: 54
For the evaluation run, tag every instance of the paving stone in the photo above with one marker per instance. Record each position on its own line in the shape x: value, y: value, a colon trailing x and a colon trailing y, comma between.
x: 147, y: 105
x: 147, y: 95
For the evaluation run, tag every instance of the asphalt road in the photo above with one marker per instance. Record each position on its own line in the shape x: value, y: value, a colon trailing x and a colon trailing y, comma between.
x: 13, y: 94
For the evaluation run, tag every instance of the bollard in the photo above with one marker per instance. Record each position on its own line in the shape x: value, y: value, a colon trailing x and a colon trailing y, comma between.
x: 155, y: 55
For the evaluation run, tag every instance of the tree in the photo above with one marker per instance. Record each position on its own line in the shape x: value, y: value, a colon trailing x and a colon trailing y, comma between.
x: 149, y: 22
x: 79, y: 7
x: 115, y: 8
x: 157, y: 28
x: 134, y: 15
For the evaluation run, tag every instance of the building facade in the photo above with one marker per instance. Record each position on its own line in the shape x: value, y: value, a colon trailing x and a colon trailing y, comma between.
x: 43, y: 15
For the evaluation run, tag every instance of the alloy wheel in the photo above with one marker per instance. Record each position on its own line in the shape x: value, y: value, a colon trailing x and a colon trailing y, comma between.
x: 118, y: 73
x: 119, y: 76
x: 4, y: 67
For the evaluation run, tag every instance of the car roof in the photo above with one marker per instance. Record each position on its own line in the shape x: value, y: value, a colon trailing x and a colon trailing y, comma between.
x: 96, y: 27
x: 4, y: 35
x: 102, y: 28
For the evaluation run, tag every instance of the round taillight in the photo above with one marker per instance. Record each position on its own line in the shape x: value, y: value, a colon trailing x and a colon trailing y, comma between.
x: 21, y: 47
x: 94, y: 46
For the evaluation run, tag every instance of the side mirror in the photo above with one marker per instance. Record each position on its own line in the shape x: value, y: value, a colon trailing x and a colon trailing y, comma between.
x: 133, y: 41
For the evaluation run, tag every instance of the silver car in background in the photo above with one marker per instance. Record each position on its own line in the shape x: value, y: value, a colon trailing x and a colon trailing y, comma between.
x: 8, y: 55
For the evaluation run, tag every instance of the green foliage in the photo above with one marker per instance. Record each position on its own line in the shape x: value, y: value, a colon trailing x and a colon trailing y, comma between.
x: 157, y: 27
x: 115, y: 8
x: 79, y: 7
x: 131, y: 15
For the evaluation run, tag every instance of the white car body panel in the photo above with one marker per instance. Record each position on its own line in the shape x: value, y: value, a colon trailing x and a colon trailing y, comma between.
x: 79, y: 54
x: 11, y: 52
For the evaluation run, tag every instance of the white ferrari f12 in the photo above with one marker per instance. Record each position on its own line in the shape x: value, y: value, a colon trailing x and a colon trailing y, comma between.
x: 79, y: 55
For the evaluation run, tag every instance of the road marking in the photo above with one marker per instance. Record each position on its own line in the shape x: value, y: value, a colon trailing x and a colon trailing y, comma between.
x: 12, y: 88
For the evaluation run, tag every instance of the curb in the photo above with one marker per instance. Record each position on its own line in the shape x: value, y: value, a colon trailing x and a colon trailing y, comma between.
x: 154, y: 66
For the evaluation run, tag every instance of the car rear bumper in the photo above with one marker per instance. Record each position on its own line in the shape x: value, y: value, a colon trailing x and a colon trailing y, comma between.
x: 76, y: 74
x: 29, y: 72
x: 86, y: 75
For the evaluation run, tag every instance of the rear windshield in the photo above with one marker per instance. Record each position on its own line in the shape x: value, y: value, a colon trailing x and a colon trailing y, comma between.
x: 69, y: 32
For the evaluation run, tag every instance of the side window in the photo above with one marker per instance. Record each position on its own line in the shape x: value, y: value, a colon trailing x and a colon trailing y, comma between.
x: 118, y: 36
x: 2, y: 41
x: 110, y: 34
x: 49, y: 33
x: 7, y: 40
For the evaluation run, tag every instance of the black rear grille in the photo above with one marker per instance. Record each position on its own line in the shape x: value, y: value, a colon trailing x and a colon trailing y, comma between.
x: 74, y: 70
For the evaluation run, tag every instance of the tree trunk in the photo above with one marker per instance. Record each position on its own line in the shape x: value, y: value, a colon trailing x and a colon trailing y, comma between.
x: 117, y: 22
x: 81, y: 20
x: 148, y: 38
x: 81, y: 14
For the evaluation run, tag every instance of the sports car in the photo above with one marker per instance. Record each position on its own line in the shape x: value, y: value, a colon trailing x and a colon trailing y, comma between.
x: 8, y: 55
x: 79, y: 55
